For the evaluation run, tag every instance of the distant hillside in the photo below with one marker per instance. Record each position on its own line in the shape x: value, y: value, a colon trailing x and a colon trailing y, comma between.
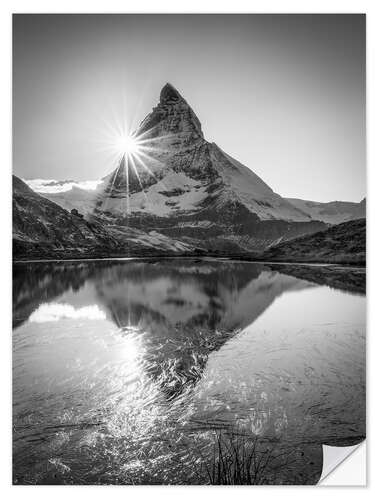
x: 344, y: 243
x: 333, y: 212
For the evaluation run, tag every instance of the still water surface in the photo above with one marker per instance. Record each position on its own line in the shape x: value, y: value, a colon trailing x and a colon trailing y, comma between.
x: 133, y: 372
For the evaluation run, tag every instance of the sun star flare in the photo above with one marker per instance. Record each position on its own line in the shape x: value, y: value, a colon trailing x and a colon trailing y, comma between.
x: 127, y: 145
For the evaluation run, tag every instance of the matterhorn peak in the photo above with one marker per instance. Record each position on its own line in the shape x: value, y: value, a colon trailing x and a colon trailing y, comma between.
x: 169, y: 94
x: 172, y: 115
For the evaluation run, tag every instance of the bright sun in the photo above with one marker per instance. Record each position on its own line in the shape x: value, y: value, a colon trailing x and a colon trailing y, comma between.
x: 135, y: 155
x: 127, y: 145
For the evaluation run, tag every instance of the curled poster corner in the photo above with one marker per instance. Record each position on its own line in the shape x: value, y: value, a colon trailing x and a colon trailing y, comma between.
x: 333, y: 456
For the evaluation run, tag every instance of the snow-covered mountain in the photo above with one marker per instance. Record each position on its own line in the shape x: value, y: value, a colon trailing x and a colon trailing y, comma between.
x: 185, y: 187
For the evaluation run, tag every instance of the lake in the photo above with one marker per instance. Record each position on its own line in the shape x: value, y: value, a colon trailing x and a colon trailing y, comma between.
x: 184, y: 371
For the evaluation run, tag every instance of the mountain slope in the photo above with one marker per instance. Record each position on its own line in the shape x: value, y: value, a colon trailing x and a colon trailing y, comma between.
x: 43, y: 229
x: 333, y: 212
x: 183, y: 186
x: 343, y: 243
x: 40, y: 226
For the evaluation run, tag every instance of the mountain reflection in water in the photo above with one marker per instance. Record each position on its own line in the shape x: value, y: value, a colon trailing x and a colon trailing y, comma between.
x: 125, y: 372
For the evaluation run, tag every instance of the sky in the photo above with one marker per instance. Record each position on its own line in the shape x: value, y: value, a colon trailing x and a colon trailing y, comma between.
x: 283, y: 94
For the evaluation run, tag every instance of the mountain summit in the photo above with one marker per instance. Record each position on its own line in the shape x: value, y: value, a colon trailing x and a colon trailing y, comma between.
x: 188, y: 188
x: 172, y: 115
x: 169, y: 94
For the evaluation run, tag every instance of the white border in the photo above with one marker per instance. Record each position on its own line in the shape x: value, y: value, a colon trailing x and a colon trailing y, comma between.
x: 192, y: 6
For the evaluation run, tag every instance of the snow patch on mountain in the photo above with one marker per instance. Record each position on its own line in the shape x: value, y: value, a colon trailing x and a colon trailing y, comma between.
x: 175, y: 192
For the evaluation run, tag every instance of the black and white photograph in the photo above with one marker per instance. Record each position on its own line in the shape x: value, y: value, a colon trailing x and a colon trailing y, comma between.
x: 189, y: 247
